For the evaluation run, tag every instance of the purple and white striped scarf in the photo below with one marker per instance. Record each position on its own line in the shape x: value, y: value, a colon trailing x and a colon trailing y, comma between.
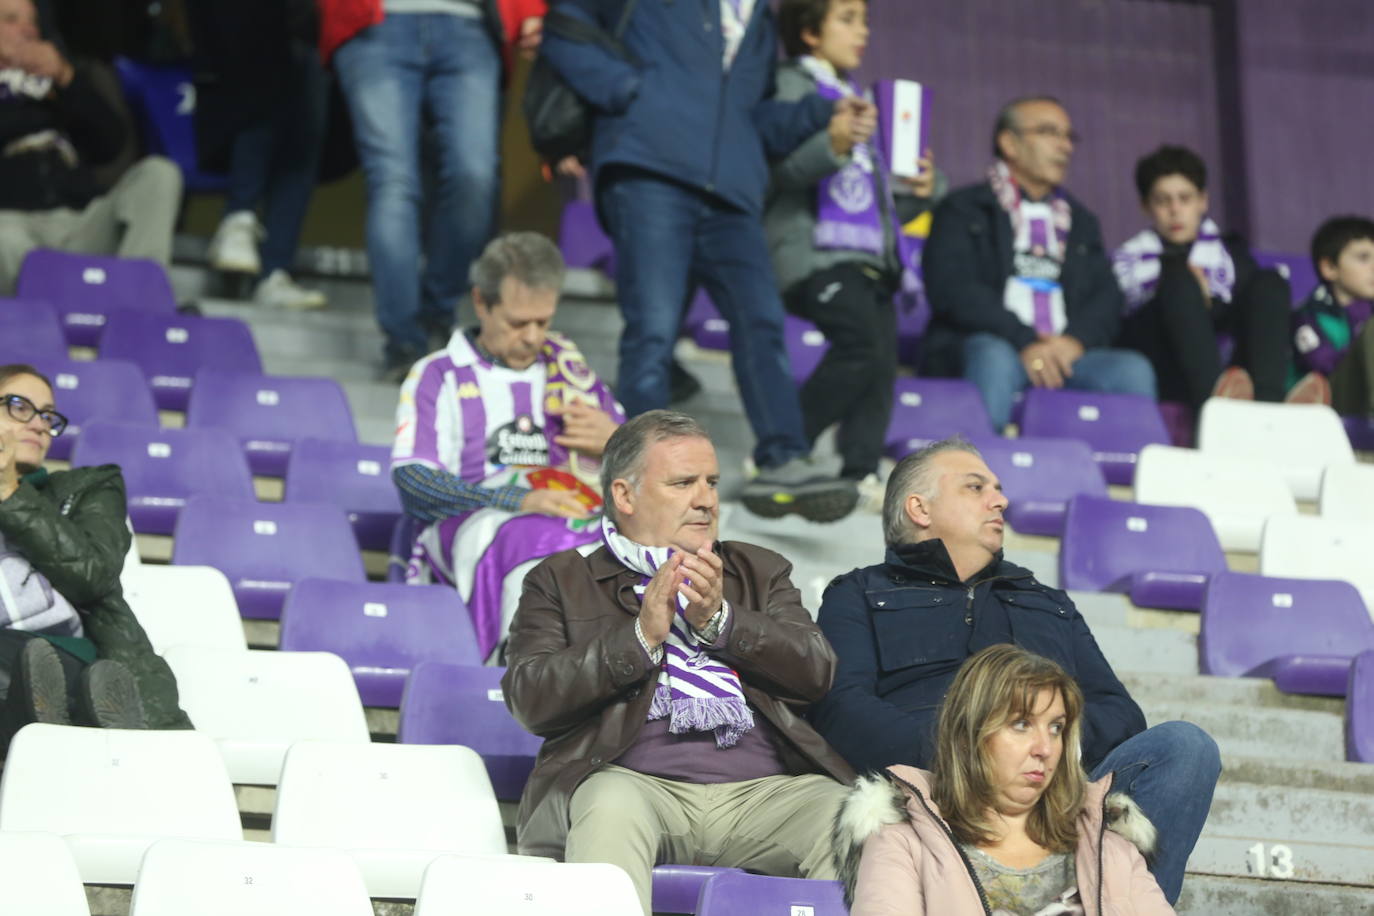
x: 1136, y: 264
x: 695, y: 691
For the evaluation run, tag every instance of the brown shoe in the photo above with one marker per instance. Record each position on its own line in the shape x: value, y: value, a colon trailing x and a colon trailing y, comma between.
x: 1235, y: 383
x: 1312, y: 388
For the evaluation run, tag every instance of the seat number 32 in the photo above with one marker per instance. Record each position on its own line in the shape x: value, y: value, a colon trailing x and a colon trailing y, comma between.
x: 1276, y: 863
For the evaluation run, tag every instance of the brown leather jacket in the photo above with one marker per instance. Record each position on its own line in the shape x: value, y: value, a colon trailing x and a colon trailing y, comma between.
x: 578, y: 677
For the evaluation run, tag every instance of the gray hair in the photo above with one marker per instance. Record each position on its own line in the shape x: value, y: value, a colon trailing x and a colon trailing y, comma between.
x: 623, y: 457
x: 914, y: 474
x: 1008, y: 119
x: 526, y: 257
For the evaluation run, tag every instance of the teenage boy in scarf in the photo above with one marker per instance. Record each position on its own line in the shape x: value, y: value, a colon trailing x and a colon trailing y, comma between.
x: 668, y: 673
x: 831, y: 219
x: 1186, y: 284
x: 1332, y: 334
x: 1019, y: 284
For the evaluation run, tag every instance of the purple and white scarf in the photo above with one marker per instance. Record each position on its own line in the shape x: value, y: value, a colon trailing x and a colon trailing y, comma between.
x: 1040, y: 243
x: 734, y: 22
x: 695, y: 691
x: 1136, y: 264
x: 848, y: 214
x: 1009, y: 196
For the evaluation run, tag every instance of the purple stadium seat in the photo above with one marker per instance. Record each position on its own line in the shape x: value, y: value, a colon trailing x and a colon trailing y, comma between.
x: 265, y: 548
x: 1180, y: 421
x: 699, y: 312
x: 269, y: 413
x: 712, y: 334
x: 171, y: 349
x: 382, y: 630
x: 164, y: 468
x: 1361, y: 432
x: 403, y: 536
x: 1116, y: 426
x: 30, y: 332
x: 107, y: 390
x: 352, y: 476
x: 1040, y: 476
x: 582, y: 240
x: 1303, y: 633
x: 925, y: 410
x: 1297, y: 269
x: 738, y: 894
x: 806, y: 345
x: 458, y: 704
x: 1162, y: 555
x: 87, y: 288
x: 677, y: 888
x: 1359, y: 710
x: 163, y: 97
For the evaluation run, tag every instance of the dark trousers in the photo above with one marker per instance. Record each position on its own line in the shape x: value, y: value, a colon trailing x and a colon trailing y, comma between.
x: 1352, y: 384
x: 852, y: 385
x: 1177, y: 332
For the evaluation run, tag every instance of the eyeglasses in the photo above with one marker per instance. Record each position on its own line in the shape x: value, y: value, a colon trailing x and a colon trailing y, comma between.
x: 24, y: 410
x: 1052, y: 131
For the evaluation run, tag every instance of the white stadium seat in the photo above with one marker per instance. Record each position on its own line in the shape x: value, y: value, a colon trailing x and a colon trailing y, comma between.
x: 456, y: 885
x: 1301, y: 439
x: 255, y: 704
x: 1308, y: 547
x: 184, y: 606
x: 1348, y: 492
x: 38, y: 876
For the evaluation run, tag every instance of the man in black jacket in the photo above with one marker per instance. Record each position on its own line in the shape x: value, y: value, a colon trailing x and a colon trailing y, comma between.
x: 902, y: 629
x: 54, y: 126
x: 1020, y: 286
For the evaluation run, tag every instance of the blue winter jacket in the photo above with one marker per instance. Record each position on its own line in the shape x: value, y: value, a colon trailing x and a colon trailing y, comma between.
x: 901, y: 630
x: 678, y: 113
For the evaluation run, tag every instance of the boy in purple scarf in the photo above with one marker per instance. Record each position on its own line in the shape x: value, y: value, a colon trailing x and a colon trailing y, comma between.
x: 1332, y: 333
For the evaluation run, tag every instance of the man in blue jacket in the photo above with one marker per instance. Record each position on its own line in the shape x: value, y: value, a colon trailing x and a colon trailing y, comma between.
x: 902, y: 629
x: 679, y: 165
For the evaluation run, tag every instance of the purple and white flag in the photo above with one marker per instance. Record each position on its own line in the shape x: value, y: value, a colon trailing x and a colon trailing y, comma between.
x: 903, y: 113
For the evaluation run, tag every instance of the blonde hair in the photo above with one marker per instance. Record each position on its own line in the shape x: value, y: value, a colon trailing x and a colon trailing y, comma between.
x: 999, y: 685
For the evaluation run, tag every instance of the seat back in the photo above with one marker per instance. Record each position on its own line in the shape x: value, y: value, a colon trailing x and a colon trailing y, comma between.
x: 269, y: 414
x: 86, y: 289
x: 264, y: 548
x: 184, y: 606
x: 1106, y: 541
x: 925, y: 410
x: 38, y: 876
x: 382, y: 630
x: 1116, y: 426
x: 1359, y: 710
x: 741, y: 894
x: 106, y: 390
x: 453, y: 884
x: 352, y: 476
x: 1348, y: 492
x: 806, y: 346
x: 1310, y: 547
x: 163, y: 96
x: 1236, y: 494
x: 30, y: 332
x: 1040, y: 476
x: 171, y: 349
x: 1302, y: 439
x: 435, y: 690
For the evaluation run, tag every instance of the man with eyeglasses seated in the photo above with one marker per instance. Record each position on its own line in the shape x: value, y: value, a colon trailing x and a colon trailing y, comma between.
x: 1018, y: 280
x: 71, y: 650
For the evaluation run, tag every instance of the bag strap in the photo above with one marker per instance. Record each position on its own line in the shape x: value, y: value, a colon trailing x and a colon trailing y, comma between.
x: 574, y: 29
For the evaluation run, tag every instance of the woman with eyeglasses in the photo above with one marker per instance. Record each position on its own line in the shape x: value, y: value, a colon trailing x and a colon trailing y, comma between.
x: 71, y: 650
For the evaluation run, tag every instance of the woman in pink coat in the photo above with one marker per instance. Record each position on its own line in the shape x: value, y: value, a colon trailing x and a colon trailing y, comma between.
x: 1006, y: 824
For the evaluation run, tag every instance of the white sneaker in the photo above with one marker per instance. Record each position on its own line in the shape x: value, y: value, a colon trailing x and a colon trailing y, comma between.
x: 872, y: 489
x: 234, y: 247
x: 279, y: 291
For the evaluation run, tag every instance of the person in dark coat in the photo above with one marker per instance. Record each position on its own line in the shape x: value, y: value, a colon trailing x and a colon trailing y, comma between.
x: 901, y: 630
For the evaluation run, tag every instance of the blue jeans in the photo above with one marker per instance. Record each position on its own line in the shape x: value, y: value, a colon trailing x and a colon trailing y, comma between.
x: 994, y: 365
x: 667, y: 236
x: 423, y: 87
x: 1170, y: 771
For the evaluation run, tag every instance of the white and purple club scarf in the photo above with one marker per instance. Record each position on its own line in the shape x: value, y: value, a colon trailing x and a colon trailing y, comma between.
x: 1136, y: 264
x: 695, y: 691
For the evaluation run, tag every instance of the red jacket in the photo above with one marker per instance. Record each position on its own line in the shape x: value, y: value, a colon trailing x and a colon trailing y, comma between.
x: 340, y: 20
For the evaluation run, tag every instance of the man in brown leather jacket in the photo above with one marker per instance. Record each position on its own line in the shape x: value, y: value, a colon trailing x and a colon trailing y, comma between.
x: 668, y: 674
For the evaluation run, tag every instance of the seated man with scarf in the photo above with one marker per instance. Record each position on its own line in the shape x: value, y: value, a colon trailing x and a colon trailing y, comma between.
x: 1186, y: 284
x: 1019, y: 284
x: 498, y: 437
x: 669, y: 673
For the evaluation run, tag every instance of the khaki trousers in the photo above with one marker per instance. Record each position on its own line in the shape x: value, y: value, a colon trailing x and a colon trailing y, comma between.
x: 778, y: 825
x: 134, y: 219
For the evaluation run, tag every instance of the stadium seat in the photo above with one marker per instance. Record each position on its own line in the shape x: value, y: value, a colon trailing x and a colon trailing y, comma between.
x: 700, y: 310
x: 163, y: 468
x: 106, y: 390
x: 381, y: 630
x: 393, y: 807
x: 454, y: 884
x: 1359, y: 710
x: 184, y: 606
x: 255, y: 704
x: 180, y: 877
x: 266, y: 547
x: 925, y: 410
x: 1302, y: 439
x: 734, y: 894
x: 806, y: 346
x: 1116, y: 426
x: 1180, y: 420
x: 111, y: 793
x: 435, y: 690
x: 87, y: 288
x: 1297, y: 269
x: 1161, y: 556
x: 163, y: 98
x: 677, y: 888
x: 399, y: 548
x: 1360, y: 431
x: 38, y: 876
x: 1302, y: 633
x: 1237, y: 495
x: 352, y: 476
x: 171, y: 349
x: 1348, y: 492
x: 582, y: 240
x: 270, y: 413
x: 30, y: 332
x: 1039, y: 477
x: 1309, y: 547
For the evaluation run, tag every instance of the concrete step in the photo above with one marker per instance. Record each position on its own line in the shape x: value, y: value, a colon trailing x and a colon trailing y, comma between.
x: 1154, y: 650
x: 1205, y: 895
x: 1247, y: 692
x: 1328, y: 775
x: 1283, y: 734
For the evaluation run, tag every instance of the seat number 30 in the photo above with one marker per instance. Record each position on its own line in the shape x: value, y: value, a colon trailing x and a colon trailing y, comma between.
x: 1277, y: 863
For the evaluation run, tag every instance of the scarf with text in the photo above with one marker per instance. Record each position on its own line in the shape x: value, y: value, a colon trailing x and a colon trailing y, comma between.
x: 1040, y: 243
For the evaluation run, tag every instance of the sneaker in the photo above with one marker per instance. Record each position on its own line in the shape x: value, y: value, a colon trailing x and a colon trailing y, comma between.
x: 872, y: 490
x: 1312, y: 388
x: 279, y: 291
x: 1235, y: 383
x: 802, y: 487
x: 42, y: 684
x: 234, y: 247
x: 396, y: 366
x: 109, y: 697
